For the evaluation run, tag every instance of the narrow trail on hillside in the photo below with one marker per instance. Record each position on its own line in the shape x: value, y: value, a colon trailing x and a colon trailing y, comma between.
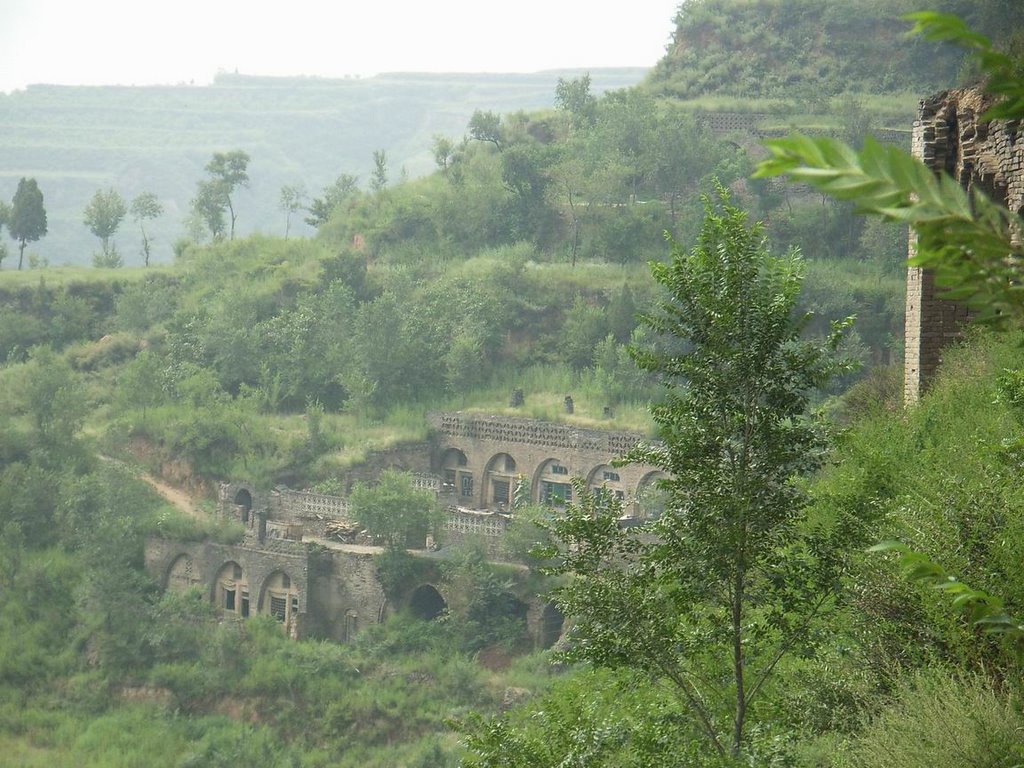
x: 176, y: 497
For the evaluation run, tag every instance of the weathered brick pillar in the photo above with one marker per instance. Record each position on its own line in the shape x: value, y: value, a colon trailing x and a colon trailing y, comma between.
x: 988, y: 156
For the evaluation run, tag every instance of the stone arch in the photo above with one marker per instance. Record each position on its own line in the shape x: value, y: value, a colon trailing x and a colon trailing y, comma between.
x: 605, y: 479
x: 552, y: 624
x: 426, y: 602
x: 551, y: 484
x: 243, y: 503
x: 499, y: 482
x: 644, y: 505
x: 457, y: 476
x: 279, y: 597
x: 180, y: 575
x: 230, y: 589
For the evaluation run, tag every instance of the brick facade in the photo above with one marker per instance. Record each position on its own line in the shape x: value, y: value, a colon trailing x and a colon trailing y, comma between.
x: 948, y: 137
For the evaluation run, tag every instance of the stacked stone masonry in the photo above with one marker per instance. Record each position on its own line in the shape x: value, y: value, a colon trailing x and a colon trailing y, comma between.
x: 949, y: 138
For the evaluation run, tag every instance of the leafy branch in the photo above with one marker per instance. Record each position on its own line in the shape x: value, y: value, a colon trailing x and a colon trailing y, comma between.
x: 1004, y: 75
x: 970, y: 243
x: 982, y: 609
x: 967, y: 240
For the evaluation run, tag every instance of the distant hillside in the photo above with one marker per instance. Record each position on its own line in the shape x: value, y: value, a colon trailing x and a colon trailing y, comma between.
x: 805, y: 50
x: 75, y: 140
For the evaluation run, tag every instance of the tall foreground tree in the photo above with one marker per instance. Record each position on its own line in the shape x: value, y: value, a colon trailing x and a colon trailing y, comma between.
x: 27, y: 221
x: 103, y: 216
x: 709, y: 597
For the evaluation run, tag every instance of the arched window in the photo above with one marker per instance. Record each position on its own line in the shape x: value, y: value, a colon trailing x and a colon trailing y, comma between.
x: 280, y: 598
x: 552, y: 483
x: 499, y: 482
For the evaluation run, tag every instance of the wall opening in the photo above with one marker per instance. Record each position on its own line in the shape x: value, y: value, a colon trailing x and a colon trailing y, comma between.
x: 243, y: 502
x: 231, y: 589
x: 457, y: 477
x: 426, y: 603
x: 280, y: 598
x: 499, y: 482
x: 552, y: 622
x: 351, y: 624
x: 553, y: 486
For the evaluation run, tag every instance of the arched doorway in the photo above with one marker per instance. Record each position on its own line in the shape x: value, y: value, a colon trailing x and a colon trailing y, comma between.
x: 243, y: 503
x: 651, y: 496
x: 605, y: 484
x: 231, y: 589
x: 426, y: 603
x: 552, y: 622
x: 456, y: 477
x: 499, y: 483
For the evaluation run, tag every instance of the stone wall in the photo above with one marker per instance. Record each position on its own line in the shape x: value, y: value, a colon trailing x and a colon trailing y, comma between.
x: 345, y: 595
x: 461, y: 525
x: 180, y: 565
x: 472, y: 447
x: 948, y: 137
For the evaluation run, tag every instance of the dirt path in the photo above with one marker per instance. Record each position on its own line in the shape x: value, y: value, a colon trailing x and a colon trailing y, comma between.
x: 176, y: 497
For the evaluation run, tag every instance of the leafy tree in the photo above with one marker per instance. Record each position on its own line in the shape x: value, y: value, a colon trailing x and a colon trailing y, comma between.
x: 145, y: 207
x: 53, y: 398
x: 574, y: 97
x: 444, y: 150
x: 293, y: 200
x: 394, y: 511
x: 139, y: 385
x: 486, y: 127
x: 710, y: 596
x: 103, y: 216
x: 27, y: 222
x: 344, y: 187
x: 228, y: 171
x: 208, y: 208
x: 379, y: 177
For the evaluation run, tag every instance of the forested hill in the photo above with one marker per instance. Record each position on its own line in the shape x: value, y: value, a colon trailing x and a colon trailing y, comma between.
x: 75, y: 140
x: 806, y: 50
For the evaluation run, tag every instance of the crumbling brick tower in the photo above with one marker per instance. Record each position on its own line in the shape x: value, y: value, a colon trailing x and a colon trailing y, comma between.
x: 986, y: 156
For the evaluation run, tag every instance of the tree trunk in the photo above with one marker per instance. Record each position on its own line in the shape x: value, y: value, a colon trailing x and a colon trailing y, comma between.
x: 231, y: 210
x: 737, y: 653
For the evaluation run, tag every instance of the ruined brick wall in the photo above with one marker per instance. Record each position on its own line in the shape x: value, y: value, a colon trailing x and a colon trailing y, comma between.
x: 949, y: 138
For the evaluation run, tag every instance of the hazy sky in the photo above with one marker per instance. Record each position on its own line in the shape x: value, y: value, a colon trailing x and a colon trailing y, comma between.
x: 172, y: 41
